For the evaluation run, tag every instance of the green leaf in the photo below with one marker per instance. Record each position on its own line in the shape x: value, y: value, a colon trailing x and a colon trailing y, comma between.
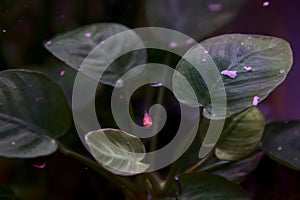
x: 7, y: 194
x: 268, y: 60
x: 91, y: 42
x: 237, y: 171
x: 281, y: 143
x: 195, y: 186
x: 241, y: 135
x: 33, y: 112
x: 196, y: 18
x: 117, y: 151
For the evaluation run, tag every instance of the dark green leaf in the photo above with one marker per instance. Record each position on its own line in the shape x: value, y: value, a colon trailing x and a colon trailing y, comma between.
x: 241, y: 135
x: 281, y: 143
x: 260, y: 62
x: 196, y: 18
x: 117, y: 151
x: 33, y: 112
x: 7, y: 194
x: 195, y: 186
x: 237, y: 171
x: 75, y: 46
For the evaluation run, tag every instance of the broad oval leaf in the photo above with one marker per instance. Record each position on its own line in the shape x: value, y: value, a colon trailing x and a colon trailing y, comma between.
x: 195, y: 186
x: 75, y: 46
x: 33, y: 112
x: 195, y: 18
x: 250, y: 66
x: 117, y: 151
x: 241, y: 135
x: 281, y: 143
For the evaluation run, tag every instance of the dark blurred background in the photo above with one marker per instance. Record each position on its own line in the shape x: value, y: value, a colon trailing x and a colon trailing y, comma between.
x: 26, y: 24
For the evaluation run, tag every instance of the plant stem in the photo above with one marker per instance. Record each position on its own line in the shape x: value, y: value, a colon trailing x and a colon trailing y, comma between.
x: 171, y: 176
x: 155, y: 181
x: 197, y: 165
x: 114, y: 179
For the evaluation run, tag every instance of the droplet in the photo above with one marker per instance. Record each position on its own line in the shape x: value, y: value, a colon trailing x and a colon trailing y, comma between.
x: 248, y: 68
x: 206, y: 51
x: 102, y: 42
x: 121, y: 96
x: 295, y: 158
x: 266, y: 3
x: 62, y: 16
x: 215, y: 7
x: 189, y: 41
x: 119, y: 83
x: 147, y: 121
x: 255, y: 100
x: 128, y: 143
x: 279, y: 148
x: 173, y: 44
x: 242, y: 43
x: 249, y: 38
x: 156, y: 84
x: 4, y: 31
x: 13, y: 143
x: 39, y: 166
x: 281, y: 71
x: 203, y: 60
x: 85, y: 168
x: 176, y: 178
x: 87, y: 35
x: 48, y: 43
x: 62, y: 73
x: 229, y: 73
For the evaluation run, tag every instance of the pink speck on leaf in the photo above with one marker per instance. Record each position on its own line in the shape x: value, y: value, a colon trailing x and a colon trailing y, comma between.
x: 255, y: 100
x: 248, y: 68
x: 62, y: 73
x: 147, y: 121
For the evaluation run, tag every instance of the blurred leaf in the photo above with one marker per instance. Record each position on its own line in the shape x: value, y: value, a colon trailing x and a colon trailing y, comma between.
x: 33, y: 113
x: 241, y: 135
x: 195, y: 18
x: 77, y: 45
x: 117, y: 151
x: 237, y: 171
x: 195, y: 186
x: 7, y: 194
x: 281, y: 143
x: 261, y: 63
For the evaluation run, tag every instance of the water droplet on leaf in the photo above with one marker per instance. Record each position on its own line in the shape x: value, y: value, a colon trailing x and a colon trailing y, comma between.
x: 13, y: 143
x: 87, y: 35
x: 232, y: 74
x: 281, y: 71
x: 279, y: 148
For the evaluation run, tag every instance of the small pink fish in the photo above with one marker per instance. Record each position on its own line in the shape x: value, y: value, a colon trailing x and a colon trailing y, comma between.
x: 147, y: 121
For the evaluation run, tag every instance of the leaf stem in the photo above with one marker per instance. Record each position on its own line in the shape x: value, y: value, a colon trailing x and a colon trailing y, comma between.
x: 171, y: 176
x: 197, y: 165
x: 114, y: 179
